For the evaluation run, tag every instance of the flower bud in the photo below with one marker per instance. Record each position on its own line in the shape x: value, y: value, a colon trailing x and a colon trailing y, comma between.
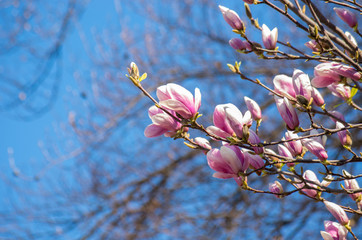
x: 315, y: 148
x: 336, y: 114
x: 334, y: 231
x: 254, y: 139
x: 352, y: 184
x: 301, y: 84
x: 253, y: 107
x: 276, y: 187
x: 295, y: 147
x: 287, y: 112
x: 310, y: 177
x: 340, y: 90
x: 238, y: 44
x: 344, y: 136
x: 269, y: 38
x: 327, y: 181
x: 232, y: 18
x: 203, y: 142
x: 284, y: 85
x: 337, y: 212
x: 317, y: 97
x: 283, y: 151
x: 347, y: 16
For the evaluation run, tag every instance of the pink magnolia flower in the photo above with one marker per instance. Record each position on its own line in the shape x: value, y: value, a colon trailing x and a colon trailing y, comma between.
x: 301, y: 84
x: 315, y: 148
x: 284, y: 85
x: 255, y: 160
x: 203, y: 142
x: 254, y: 139
x: 238, y: 44
x: 336, y: 114
x: 283, y: 151
x: 352, y: 184
x: 276, y: 187
x: 228, y: 120
x: 313, y: 45
x: 351, y: 38
x: 344, y: 136
x: 334, y: 231
x: 232, y: 18
x: 253, y: 107
x: 295, y: 147
x: 177, y: 98
x: 287, y: 112
x: 331, y: 72
x: 228, y: 162
x: 340, y: 90
x: 310, y: 177
x: 317, y: 97
x: 337, y: 212
x: 269, y: 38
x: 162, y: 123
x: 347, y: 16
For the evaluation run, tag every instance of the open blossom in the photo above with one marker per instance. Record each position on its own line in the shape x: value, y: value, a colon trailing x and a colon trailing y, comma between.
x: 228, y: 120
x: 301, y: 84
x: 337, y: 212
x: 238, y: 44
x: 340, y: 90
x: 162, y: 123
x: 232, y: 18
x: 276, y: 187
x: 228, y: 162
x: 352, y: 184
x: 177, y: 98
x: 253, y: 107
x: 331, y: 72
x: 347, y: 16
x: 334, y: 231
x: 284, y: 85
x: 287, y: 112
x: 310, y: 177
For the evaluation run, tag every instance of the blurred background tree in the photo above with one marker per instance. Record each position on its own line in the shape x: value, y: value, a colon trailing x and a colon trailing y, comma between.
x: 98, y: 176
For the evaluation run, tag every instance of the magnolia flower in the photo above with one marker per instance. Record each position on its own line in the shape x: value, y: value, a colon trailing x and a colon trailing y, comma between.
x: 352, y: 184
x: 255, y: 160
x: 313, y: 45
x: 315, y: 148
x: 276, y: 187
x: 340, y: 90
x: 287, y: 112
x: 331, y: 72
x: 228, y: 120
x: 310, y: 177
x: 238, y: 44
x: 162, y: 123
x: 334, y: 231
x: 283, y: 151
x: 254, y: 139
x: 344, y: 136
x: 347, y: 16
x: 284, y: 85
x: 269, y: 37
x: 295, y: 147
x: 301, y: 84
x: 253, y: 108
x: 178, y: 99
x: 228, y: 162
x: 337, y: 212
x: 203, y: 142
x: 232, y: 18
x: 317, y: 97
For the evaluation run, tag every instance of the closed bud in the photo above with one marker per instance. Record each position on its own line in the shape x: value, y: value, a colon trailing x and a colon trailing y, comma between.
x: 344, y: 135
x: 253, y: 107
x: 276, y: 187
x: 347, y: 16
x: 337, y: 212
x: 240, y: 45
x: 269, y: 38
x: 352, y: 184
x: 232, y: 18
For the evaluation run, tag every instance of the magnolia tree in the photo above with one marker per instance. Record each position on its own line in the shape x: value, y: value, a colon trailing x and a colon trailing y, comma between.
x: 232, y: 144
